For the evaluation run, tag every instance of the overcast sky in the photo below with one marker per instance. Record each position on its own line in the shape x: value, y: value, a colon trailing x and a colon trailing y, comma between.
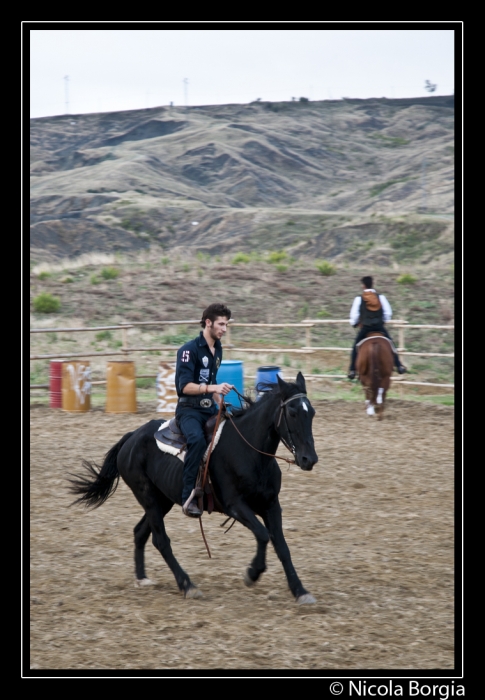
x: 88, y: 68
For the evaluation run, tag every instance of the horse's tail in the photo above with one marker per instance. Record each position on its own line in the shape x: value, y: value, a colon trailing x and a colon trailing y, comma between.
x: 95, y: 489
x: 375, y: 377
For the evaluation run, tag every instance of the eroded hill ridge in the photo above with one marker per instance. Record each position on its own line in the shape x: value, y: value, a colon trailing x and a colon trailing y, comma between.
x: 319, y: 178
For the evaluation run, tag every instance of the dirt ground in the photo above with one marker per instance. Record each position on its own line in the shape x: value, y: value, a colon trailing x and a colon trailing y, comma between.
x: 371, y: 531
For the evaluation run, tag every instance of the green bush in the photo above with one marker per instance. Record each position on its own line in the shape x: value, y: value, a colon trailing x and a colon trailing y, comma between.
x: 45, y: 303
x: 103, y: 335
x: 109, y: 273
x: 325, y: 268
x: 406, y: 278
x: 282, y: 268
x: 94, y: 279
x: 277, y: 256
x: 323, y: 313
x: 145, y: 383
x: 44, y: 275
x: 240, y: 258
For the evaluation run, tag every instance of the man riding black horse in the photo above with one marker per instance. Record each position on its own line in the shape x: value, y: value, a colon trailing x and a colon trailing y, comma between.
x: 369, y: 312
x: 199, y: 395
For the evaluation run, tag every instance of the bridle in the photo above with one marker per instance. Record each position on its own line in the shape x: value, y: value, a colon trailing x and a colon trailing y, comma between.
x: 291, y: 448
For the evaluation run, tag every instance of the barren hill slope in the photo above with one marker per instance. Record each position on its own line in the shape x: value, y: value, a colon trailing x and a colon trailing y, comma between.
x: 327, y: 179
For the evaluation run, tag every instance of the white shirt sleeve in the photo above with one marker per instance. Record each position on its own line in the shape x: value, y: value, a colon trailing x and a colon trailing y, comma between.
x: 355, y: 311
x: 386, y: 308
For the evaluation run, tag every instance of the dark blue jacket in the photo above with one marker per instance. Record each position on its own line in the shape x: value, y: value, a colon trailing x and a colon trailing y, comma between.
x: 196, y: 363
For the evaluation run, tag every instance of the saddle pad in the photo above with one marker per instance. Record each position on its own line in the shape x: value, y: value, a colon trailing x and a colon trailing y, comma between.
x: 180, y: 450
x: 370, y: 337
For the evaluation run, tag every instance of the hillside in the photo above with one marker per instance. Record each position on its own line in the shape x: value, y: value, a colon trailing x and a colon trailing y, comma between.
x: 358, y: 181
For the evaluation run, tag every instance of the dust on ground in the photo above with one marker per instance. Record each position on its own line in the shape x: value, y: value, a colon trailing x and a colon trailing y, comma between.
x: 370, y: 529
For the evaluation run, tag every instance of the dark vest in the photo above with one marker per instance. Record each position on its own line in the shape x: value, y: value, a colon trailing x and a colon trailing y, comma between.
x: 371, y: 313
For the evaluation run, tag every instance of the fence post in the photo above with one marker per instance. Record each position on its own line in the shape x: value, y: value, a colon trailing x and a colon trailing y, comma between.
x: 401, y: 338
x: 124, y: 336
x: 308, y: 337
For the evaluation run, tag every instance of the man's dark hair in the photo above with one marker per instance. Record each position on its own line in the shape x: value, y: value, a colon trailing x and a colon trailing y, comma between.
x: 367, y: 282
x: 213, y: 311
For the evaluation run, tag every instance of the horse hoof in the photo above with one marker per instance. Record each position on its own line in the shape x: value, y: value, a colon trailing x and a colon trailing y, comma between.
x: 140, y: 582
x: 306, y: 599
x: 193, y: 592
x: 370, y: 410
x: 248, y: 580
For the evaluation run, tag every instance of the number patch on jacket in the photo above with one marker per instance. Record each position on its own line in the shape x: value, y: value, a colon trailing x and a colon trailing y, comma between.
x: 185, y: 355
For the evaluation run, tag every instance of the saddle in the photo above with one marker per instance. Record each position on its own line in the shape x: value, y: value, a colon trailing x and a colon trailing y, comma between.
x: 376, y: 334
x: 170, y: 434
x: 171, y: 439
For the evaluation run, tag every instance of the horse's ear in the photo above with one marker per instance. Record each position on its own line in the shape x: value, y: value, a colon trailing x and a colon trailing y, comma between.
x: 300, y: 382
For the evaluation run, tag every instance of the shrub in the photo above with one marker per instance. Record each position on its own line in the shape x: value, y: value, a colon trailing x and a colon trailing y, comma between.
x: 282, y: 268
x: 109, y: 273
x: 44, y: 275
x: 144, y: 383
x: 45, y: 303
x: 406, y: 278
x: 94, y: 279
x: 67, y: 280
x: 277, y: 256
x: 326, y: 268
x: 323, y: 313
x: 103, y: 335
x: 240, y: 258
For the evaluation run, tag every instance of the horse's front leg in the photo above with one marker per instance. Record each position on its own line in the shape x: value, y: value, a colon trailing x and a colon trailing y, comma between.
x: 243, y: 514
x: 274, y: 523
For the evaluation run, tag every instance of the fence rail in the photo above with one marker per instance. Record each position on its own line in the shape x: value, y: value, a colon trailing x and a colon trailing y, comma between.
x: 307, y: 349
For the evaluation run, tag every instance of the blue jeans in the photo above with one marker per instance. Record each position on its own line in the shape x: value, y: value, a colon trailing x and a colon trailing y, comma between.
x: 191, y: 422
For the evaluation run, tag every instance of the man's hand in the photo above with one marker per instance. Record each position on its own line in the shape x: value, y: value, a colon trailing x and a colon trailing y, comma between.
x: 223, y: 388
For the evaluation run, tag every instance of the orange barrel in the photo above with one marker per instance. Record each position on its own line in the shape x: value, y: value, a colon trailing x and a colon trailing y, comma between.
x: 166, y: 392
x: 55, y: 384
x: 120, y: 387
x: 76, y: 386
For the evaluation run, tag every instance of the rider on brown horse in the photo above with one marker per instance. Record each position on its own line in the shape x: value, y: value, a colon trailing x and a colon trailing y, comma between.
x: 370, y: 311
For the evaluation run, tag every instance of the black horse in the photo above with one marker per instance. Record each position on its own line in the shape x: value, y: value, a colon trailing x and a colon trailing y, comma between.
x: 244, y: 474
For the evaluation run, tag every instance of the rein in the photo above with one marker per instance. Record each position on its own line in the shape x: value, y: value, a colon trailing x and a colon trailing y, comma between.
x: 268, y: 454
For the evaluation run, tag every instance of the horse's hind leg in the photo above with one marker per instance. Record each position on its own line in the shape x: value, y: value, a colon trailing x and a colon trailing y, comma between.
x: 142, y: 533
x: 156, y: 506
x: 161, y: 541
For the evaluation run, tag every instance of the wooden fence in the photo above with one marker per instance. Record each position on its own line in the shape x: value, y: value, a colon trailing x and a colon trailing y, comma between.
x: 229, y: 348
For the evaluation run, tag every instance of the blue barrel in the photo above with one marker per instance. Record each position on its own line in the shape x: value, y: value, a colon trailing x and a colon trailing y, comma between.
x: 266, y: 374
x: 232, y: 372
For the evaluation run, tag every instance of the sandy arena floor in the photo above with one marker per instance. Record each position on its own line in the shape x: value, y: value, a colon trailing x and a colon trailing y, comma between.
x: 371, y: 531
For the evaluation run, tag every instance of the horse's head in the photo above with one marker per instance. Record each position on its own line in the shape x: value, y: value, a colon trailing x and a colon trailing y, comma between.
x: 294, y: 422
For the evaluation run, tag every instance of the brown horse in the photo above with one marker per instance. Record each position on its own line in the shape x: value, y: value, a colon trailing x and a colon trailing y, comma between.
x: 375, y: 362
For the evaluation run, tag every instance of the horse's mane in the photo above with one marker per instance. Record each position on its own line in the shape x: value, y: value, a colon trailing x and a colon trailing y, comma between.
x: 268, y: 391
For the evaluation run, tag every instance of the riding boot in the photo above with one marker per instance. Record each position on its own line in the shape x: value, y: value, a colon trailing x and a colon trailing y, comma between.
x: 400, y: 368
x: 353, y: 358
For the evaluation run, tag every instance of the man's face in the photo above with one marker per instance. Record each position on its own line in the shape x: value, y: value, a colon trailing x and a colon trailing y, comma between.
x: 217, y: 328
